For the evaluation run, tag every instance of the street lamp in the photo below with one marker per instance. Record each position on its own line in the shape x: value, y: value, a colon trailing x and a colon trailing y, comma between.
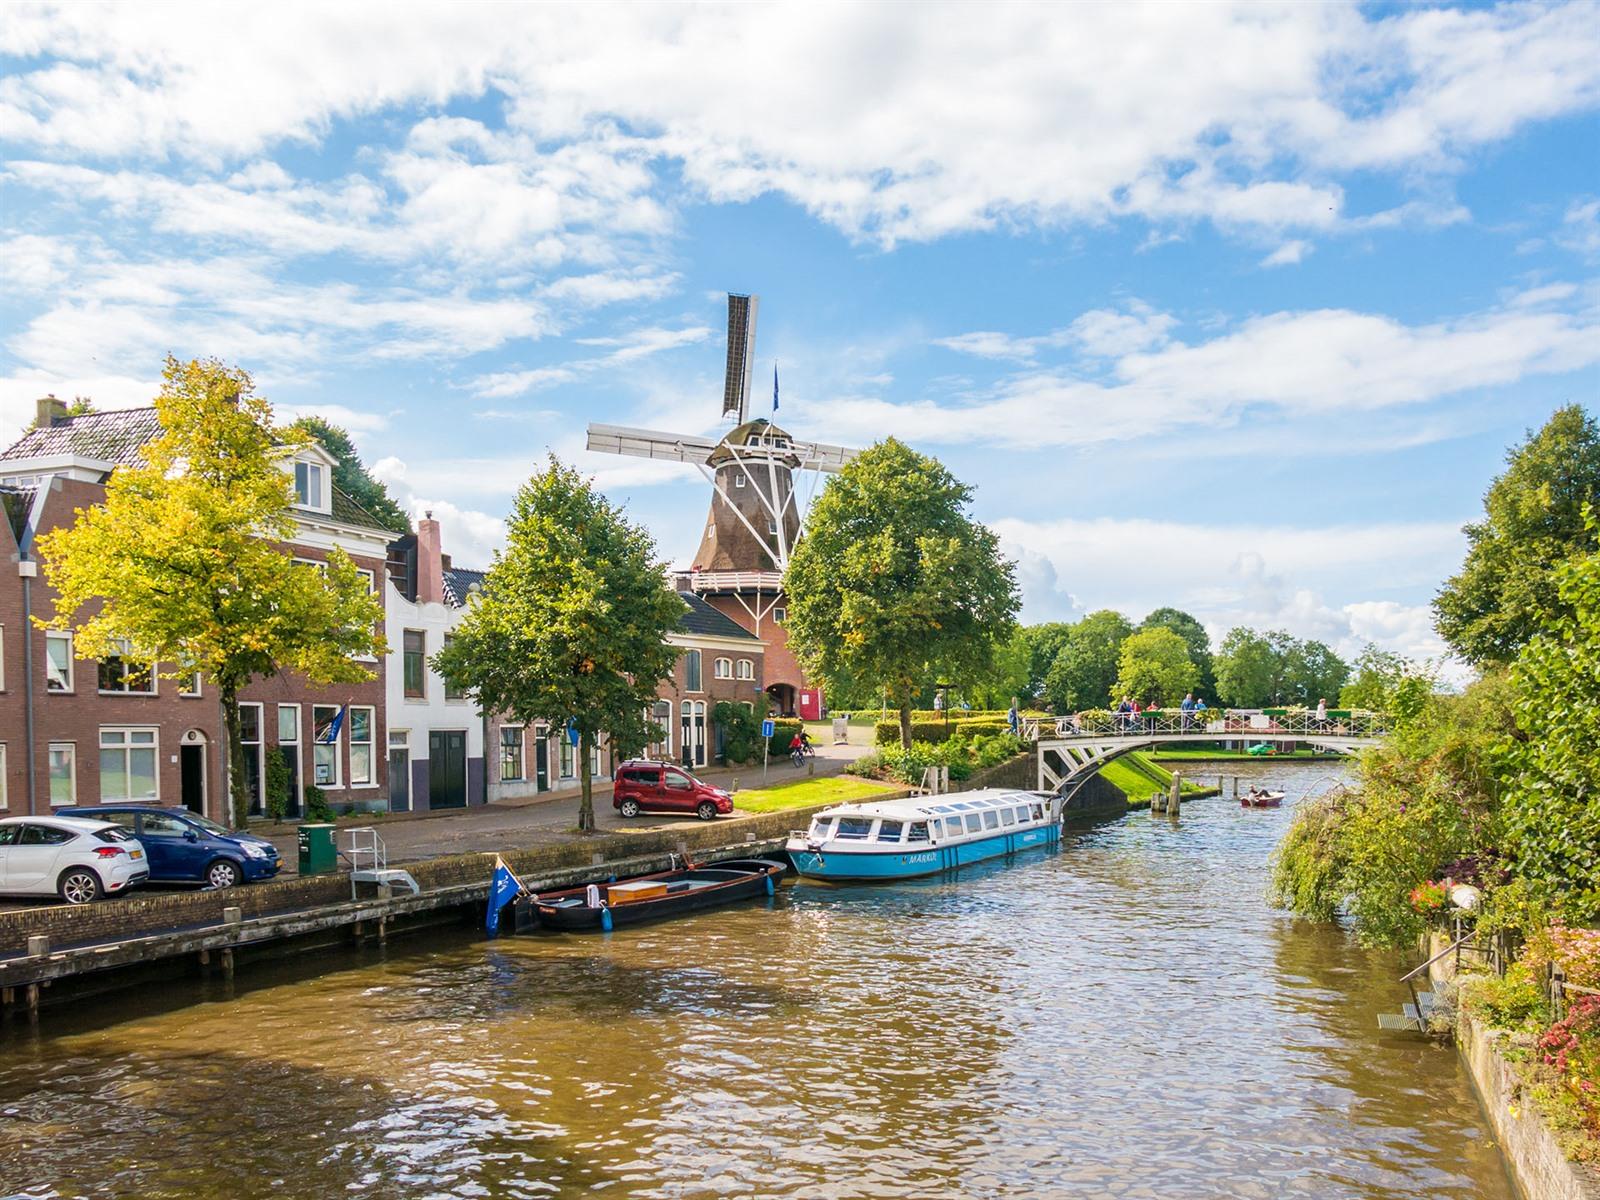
x: 944, y: 695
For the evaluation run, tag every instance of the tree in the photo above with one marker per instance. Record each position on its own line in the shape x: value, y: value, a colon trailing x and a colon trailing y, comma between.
x: 1377, y: 673
x: 1044, y: 643
x: 571, y: 622
x: 1195, y: 637
x: 1505, y: 592
x: 1008, y: 677
x: 1154, y: 666
x: 1310, y: 671
x: 1551, y: 805
x: 1247, y: 669
x: 184, y: 564
x: 1085, y: 668
x: 78, y: 406
x: 894, y: 583
x: 352, y: 478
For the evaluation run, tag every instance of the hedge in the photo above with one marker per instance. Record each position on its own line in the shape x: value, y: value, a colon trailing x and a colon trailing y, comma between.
x: 888, y: 732
x: 782, y: 734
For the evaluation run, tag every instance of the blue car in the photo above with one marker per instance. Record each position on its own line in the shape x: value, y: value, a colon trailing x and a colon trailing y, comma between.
x: 184, y: 847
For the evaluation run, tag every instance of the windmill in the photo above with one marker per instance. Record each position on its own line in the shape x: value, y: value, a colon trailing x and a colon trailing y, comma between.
x: 755, y: 516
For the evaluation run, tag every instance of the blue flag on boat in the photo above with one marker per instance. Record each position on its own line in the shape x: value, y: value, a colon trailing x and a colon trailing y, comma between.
x: 331, y: 735
x: 774, y: 386
x: 504, y: 887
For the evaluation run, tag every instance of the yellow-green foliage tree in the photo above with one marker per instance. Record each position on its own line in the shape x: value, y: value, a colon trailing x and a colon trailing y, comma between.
x: 185, y: 564
x: 1153, y: 665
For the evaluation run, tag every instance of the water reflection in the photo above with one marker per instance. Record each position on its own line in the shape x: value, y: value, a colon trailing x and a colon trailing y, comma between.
x: 1124, y: 1017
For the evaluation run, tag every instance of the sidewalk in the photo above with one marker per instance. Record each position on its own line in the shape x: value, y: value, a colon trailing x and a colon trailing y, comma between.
x: 539, y: 820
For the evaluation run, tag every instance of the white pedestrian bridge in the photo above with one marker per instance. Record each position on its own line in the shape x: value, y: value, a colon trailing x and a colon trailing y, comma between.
x: 1075, y: 749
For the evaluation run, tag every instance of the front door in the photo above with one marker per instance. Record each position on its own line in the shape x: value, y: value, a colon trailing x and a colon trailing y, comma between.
x: 447, y: 768
x: 399, y: 779
x: 192, y: 777
x: 541, y: 764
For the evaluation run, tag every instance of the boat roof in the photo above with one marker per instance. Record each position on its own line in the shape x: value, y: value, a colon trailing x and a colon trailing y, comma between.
x: 913, y: 807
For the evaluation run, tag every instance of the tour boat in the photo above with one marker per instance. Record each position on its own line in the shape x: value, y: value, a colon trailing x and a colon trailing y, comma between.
x: 648, y: 897
x: 1255, y: 799
x: 923, y: 835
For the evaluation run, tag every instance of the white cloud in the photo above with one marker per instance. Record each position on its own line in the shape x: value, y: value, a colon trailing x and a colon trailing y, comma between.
x: 626, y: 348
x: 1580, y: 229
x: 354, y: 421
x: 1289, y: 253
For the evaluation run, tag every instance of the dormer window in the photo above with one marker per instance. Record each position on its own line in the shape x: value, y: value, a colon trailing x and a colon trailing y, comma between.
x: 310, y: 488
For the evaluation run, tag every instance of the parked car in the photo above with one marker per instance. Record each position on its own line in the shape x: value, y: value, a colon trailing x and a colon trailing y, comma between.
x: 185, y: 847
x: 644, y: 785
x: 79, y: 861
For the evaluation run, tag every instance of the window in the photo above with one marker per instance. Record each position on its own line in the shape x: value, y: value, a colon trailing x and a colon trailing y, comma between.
x: 747, y: 669
x: 510, y: 753
x: 325, y: 754
x: 162, y: 826
x: 119, y: 673
x: 361, y: 738
x: 820, y: 829
x: 918, y: 832
x: 127, y: 766
x: 1038, y: 812
x: 44, y: 835
x: 250, y: 737
x: 189, y: 685
x: 63, y: 774
x: 691, y: 671
x: 854, y: 828
x: 58, y: 662
x: 308, y: 484
x: 723, y: 668
x: 952, y: 827
x: 1008, y: 816
x: 889, y: 831
x: 451, y: 691
x: 416, y: 652
x: 568, y: 762
x: 991, y: 820
x: 372, y: 580
x: 1022, y: 815
x: 678, y: 781
x: 780, y: 614
x: 594, y: 760
x: 772, y: 528
x: 288, y: 723
x: 738, y: 480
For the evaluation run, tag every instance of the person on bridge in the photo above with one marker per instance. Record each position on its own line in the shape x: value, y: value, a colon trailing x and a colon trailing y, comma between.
x: 1322, y: 713
x: 1188, y: 710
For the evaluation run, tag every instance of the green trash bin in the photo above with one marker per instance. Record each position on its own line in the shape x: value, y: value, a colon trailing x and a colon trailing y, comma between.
x: 317, y: 853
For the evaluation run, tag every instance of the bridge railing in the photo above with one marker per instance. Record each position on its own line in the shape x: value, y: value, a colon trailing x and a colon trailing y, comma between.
x: 1231, y: 724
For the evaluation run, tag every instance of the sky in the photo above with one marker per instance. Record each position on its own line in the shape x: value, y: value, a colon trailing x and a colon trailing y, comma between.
x: 1231, y: 307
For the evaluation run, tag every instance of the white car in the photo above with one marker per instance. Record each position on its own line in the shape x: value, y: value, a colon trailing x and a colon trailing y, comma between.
x: 76, y: 859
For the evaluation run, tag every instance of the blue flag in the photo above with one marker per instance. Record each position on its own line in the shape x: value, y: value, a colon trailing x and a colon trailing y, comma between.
x: 332, y: 734
x: 504, y: 887
x: 774, y: 386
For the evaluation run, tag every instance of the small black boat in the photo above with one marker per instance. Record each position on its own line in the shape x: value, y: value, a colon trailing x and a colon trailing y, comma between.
x: 651, y: 897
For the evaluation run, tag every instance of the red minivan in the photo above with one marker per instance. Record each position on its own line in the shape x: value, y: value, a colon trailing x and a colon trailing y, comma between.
x: 646, y: 786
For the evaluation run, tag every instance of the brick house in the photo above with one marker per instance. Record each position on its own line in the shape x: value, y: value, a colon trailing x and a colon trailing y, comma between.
x: 77, y: 731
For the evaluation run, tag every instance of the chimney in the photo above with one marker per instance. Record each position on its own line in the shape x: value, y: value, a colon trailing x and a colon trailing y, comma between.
x: 49, y: 411
x: 430, y: 562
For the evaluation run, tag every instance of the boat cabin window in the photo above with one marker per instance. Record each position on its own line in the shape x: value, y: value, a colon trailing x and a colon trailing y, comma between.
x: 1022, y: 812
x: 1008, y: 816
x: 974, y: 823
x: 952, y: 827
x: 889, y: 831
x: 1038, y: 812
x: 854, y: 827
x: 991, y: 820
x: 918, y: 832
x: 820, y: 828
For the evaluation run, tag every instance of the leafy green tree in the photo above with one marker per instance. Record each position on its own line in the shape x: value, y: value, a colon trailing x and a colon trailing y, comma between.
x: 895, y: 583
x: 1154, y: 665
x: 1008, y: 677
x: 78, y: 406
x: 351, y: 477
x: 1195, y: 637
x: 1377, y: 673
x: 1552, y: 801
x: 1309, y: 671
x: 1248, y: 669
x: 185, y: 563
x: 1044, y: 643
x: 1085, y: 668
x: 570, y: 623
x: 1505, y: 593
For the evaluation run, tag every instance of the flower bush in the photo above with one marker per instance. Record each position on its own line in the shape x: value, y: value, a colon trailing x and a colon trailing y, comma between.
x: 1429, y: 899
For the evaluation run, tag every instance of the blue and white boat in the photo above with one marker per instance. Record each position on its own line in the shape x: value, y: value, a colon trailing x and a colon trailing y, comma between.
x: 923, y: 835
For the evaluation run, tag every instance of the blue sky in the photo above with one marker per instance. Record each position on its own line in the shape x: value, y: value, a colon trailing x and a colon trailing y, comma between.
x: 1229, y: 307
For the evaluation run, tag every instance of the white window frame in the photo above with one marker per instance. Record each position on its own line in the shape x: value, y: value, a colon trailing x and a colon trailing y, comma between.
x: 422, y: 696
x: 747, y: 668
x: 522, y: 755
x: 349, y: 733
x: 60, y: 635
x: 722, y: 669
x: 127, y: 747
x: 738, y: 480
x: 4, y: 801
x: 72, y: 773
x: 190, y: 685
x: 566, y: 756
x: 125, y: 658
x: 319, y: 502
x: 780, y: 614
x: 694, y: 681
x: 259, y: 746
x: 337, y: 744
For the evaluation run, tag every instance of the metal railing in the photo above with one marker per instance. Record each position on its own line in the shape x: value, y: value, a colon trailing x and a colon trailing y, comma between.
x: 366, y: 851
x: 1231, y: 724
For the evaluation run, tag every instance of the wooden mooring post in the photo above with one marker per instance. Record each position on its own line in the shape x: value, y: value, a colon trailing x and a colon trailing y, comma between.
x: 1175, y: 797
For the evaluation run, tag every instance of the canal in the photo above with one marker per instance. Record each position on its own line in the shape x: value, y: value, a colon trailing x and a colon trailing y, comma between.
x: 1124, y: 1018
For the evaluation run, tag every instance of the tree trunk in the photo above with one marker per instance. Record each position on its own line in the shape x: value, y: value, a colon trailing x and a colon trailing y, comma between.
x: 238, y: 785
x: 586, y: 807
x: 905, y: 726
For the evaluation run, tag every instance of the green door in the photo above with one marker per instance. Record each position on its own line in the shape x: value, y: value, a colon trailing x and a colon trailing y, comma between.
x: 447, y: 768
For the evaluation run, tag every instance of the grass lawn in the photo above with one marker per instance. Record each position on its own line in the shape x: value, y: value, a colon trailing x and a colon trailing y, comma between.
x: 801, y: 793
x: 1138, y: 777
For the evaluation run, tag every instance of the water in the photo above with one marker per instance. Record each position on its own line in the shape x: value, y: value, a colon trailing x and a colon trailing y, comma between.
x: 1122, y: 1018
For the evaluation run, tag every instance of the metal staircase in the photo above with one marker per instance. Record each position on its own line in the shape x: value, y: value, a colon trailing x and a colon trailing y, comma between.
x: 369, y: 862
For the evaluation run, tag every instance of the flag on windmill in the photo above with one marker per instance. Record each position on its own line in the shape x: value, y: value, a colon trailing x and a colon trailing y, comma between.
x: 504, y: 887
x: 774, y: 385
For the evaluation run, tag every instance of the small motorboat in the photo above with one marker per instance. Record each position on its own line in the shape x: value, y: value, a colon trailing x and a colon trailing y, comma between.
x: 651, y: 897
x: 1256, y: 798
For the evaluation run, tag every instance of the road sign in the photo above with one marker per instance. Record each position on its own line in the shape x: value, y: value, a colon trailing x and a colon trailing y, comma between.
x: 768, y: 728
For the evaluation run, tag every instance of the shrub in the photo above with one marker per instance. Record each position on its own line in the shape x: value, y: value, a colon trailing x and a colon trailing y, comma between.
x: 317, y: 808
x: 782, y: 734
x: 868, y: 766
x: 888, y: 732
x: 741, y: 732
x: 277, y: 786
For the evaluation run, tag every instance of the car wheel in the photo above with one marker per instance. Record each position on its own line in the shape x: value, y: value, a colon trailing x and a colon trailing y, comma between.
x: 79, y: 885
x: 706, y: 811
x: 224, y: 874
x: 630, y: 808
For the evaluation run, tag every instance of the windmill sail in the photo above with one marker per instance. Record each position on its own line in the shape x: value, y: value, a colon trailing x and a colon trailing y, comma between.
x: 741, y: 356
